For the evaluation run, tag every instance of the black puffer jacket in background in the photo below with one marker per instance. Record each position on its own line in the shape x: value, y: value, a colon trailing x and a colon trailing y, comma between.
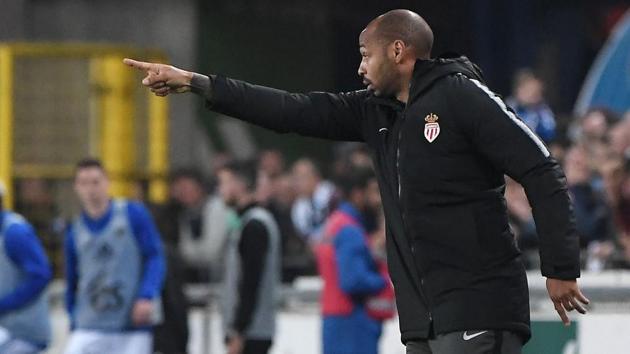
x: 452, y: 257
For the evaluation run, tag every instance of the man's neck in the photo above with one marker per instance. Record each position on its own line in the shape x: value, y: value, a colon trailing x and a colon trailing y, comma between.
x: 403, y: 92
x: 97, y: 210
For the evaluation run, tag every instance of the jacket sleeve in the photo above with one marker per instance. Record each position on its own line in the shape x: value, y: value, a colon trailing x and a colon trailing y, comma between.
x: 150, y: 244
x: 25, y: 250
x: 511, y: 147
x: 316, y: 114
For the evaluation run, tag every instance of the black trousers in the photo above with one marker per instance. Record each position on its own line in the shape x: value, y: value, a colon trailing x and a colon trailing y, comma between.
x: 256, y: 346
x: 469, y: 342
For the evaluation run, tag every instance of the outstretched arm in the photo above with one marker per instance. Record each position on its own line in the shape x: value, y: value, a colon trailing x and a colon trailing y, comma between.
x: 316, y: 114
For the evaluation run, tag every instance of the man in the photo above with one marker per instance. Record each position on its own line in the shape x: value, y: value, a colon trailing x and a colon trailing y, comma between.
x: 24, y: 274
x: 529, y: 103
x: 114, y: 269
x: 252, y: 269
x: 350, y: 273
x: 204, y: 224
x: 441, y: 142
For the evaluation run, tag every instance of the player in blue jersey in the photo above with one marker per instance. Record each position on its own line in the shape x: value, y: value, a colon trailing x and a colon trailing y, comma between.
x: 114, y: 269
x: 24, y: 274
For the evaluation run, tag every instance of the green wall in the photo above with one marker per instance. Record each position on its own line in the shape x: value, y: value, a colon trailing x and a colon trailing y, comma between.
x: 285, y: 53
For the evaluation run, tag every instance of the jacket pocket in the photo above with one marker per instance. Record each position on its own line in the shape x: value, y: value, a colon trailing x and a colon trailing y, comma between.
x: 494, y: 236
x: 445, y: 238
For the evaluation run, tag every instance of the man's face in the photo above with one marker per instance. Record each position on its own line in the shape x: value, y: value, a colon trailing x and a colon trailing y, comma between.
x: 530, y: 92
x: 377, y: 68
x: 91, y: 185
x: 188, y: 192
x: 304, y: 179
x: 231, y: 187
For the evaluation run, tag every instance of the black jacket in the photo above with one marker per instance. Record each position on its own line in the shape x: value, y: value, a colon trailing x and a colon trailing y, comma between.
x: 452, y: 257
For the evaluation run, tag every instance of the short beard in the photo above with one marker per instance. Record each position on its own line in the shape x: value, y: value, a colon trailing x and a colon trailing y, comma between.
x: 390, y: 77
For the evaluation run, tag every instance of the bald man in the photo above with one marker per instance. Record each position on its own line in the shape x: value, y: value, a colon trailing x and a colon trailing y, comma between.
x: 442, y: 142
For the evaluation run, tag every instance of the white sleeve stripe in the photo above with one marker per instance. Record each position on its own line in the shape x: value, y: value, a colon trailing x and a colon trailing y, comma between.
x: 512, y: 116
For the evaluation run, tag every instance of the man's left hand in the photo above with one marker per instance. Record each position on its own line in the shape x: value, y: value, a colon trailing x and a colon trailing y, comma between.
x: 566, y: 296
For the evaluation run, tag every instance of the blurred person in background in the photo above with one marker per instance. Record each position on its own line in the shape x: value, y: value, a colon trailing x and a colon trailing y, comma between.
x: 295, y: 255
x: 271, y: 162
x: 348, y: 155
x: 204, y: 223
x: 114, y: 269
x: 619, y: 137
x: 522, y: 222
x: 171, y: 336
x: 252, y: 269
x: 622, y: 211
x: 313, y: 203
x: 528, y: 102
x: 24, y: 275
x: 36, y: 202
x: 593, y: 216
x: 352, y: 276
x: 591, y: 133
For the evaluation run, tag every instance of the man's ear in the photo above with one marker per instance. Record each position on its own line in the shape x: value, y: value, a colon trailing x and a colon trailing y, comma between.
x: 399, y: 47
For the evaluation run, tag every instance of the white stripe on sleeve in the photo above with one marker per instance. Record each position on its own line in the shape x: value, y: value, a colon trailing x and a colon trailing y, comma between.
x: 512, y: 116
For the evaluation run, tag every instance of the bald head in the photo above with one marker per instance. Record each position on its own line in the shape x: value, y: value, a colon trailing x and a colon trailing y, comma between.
x: 406, y: 26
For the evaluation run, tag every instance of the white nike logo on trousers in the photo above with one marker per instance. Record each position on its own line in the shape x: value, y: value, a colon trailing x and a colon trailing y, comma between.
x: 466, y: 336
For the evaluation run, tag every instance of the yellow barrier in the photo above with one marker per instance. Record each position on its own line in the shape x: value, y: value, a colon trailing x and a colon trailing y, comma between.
x: 118, y: 112
x: 6, y: 121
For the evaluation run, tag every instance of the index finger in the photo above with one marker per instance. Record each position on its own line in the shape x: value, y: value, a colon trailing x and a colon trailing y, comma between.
x: 142, y: 65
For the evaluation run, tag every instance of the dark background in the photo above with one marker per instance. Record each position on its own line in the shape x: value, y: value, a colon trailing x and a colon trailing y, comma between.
x: 304, y: 45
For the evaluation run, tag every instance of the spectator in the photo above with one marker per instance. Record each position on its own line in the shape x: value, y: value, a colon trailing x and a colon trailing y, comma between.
x: 622, y: 213
x: 592, y: 135
x: 314, y: 199
x: 528, y: 102
x: 36, y: 202
x: 296, y: 258
x: 619, y: 137
x: 204, y: 223
x: 271, y: 162
x: 521, y: 220
x: 593, y: 215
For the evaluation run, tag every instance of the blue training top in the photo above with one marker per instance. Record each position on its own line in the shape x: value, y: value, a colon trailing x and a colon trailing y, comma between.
x: 111, y: 262
x: 24, y: 274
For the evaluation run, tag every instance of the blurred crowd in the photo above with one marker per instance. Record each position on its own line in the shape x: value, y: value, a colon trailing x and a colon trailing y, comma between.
x: 594, y: 150
x: 197, y: 223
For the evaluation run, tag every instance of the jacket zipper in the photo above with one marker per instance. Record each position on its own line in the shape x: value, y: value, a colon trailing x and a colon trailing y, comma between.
x: 402, y: 211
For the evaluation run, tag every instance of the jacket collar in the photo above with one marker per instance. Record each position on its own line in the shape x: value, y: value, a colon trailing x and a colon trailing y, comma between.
x: 427, y: 71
